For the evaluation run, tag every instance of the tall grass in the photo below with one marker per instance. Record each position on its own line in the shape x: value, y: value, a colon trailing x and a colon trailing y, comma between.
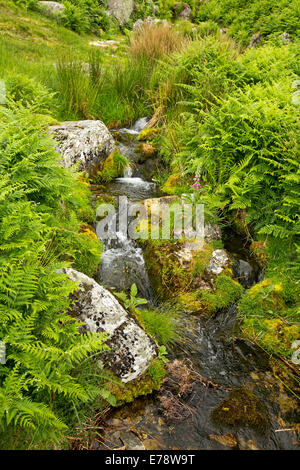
x: 79, y: 85
x: 116, y: 94
x: 154, y: 41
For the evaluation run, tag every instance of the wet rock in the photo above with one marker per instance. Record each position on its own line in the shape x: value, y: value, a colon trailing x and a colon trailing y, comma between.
x: 120, y: 9
x: 131, y: 441
x: 218, y: 261
x: 132, y: 350
x: 255, y: 40
x: 154, y: 444
x: 244, y: 273
x: 51, y: 8
x: 86, y: 143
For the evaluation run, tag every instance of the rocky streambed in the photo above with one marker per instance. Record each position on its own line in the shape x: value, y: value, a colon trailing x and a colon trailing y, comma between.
x: 220, y: 392
x: 212, y: 372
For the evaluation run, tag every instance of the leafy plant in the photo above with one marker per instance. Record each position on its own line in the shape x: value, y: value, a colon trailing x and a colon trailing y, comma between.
x: 133, y: 301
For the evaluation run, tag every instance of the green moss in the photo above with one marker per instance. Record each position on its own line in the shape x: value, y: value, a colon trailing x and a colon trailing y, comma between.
x: 123, y: 138
x: 202, y: 259
x: 267, y: 318
x: 188, y: 283
x: 225, y: 293
x: 170, y: 185
x: 241, y: 408
x: 105, y: 199
x: 114, y: 166
x: 166, y: 273
x: 144, y: 385
x: 157, y: 372
x: 148, y: 134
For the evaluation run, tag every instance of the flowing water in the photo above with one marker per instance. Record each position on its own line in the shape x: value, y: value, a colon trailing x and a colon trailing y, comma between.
x: 208, y: 346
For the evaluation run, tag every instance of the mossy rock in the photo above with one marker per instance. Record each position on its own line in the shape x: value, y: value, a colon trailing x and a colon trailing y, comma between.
x: 146, y: 150
x: 211, y: 298
x: 267, y: 319
x: 105, y: 199
x: 89, y: 231
x: 171, y: 184
x: 181, y: 275
x: 148, y: 134
x: 143, y: 385
x: 241, y: 408
x: 124, y: 138
x: 168, y: 276
x: 113, y: 167
x: 224, y: 294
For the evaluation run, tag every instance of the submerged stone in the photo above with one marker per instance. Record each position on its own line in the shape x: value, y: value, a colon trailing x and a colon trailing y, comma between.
x: 241, y: 408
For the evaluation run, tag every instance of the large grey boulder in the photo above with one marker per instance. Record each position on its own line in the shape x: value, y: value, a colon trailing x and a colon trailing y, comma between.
x: 132, y: 350
x: 86, y: 143
x: 121, y: 9
x: 51, y: 8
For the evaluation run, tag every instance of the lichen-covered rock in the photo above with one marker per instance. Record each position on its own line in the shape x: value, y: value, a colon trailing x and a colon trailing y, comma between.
x: 86, y: 143
x: 218, y: 261
x: 132, y: 350
x: 51, y: 8
x: 121, y: 9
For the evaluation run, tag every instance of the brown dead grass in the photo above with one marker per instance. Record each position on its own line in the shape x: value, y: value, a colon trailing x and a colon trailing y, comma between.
x: 155, y: 41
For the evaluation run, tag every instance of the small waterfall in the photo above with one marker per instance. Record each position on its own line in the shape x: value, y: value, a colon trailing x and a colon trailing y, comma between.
x: 122, y: 262
x: 137, y: 127
x: 128, y: 172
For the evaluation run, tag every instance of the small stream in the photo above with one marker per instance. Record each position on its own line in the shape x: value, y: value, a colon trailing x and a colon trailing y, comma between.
x: 209, y: 347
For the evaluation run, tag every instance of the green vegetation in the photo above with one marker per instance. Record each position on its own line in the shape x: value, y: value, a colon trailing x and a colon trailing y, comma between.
x: 39, y: 234
x: 269, y: 311
x: 223, y: 114
x: 243, y: 18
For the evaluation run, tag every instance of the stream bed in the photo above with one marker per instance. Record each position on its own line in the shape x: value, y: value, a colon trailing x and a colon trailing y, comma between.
x: 218, y: 360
